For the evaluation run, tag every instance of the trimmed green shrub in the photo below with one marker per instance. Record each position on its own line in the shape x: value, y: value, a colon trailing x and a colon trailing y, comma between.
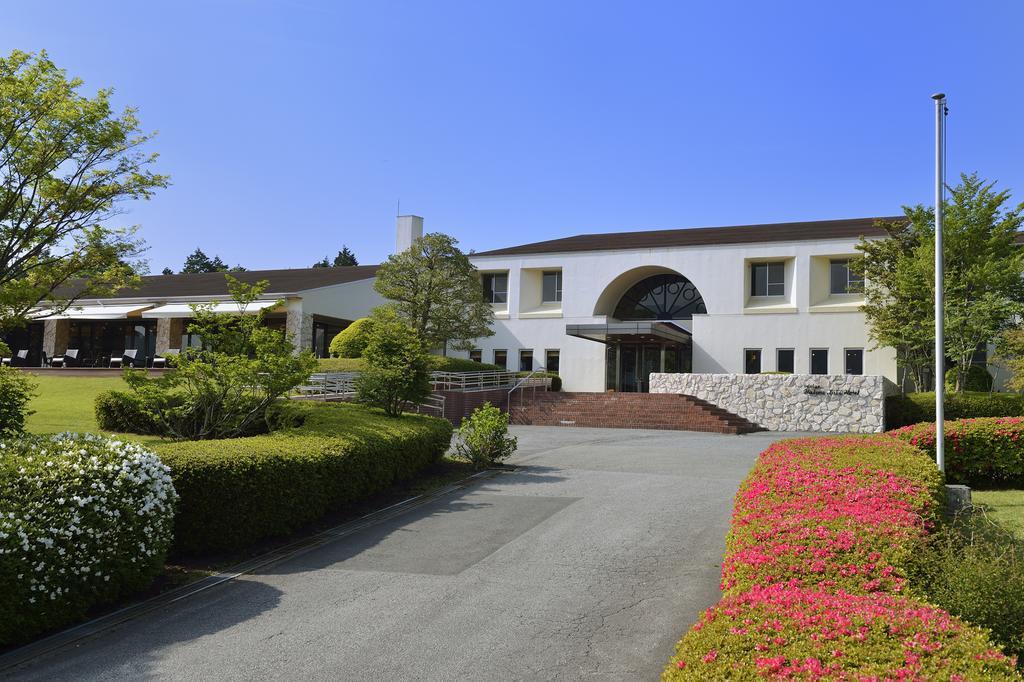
x: 340, y: 364
x: 351, y: 341
x: 483, y: 440
x: 978, y: 451
x: 913, y: 408
x: 327, y: 455
x: 124, y: 412
x: 83, y: 520
x: 16, y: 390
x: 440, y: 363
x: 396, y: 371
x: 975, y: 570
x: 556, y: 381
x: 977, y: 379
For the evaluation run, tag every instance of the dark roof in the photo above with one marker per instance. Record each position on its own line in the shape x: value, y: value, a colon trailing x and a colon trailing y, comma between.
x: 215, y: 284
x: 699, y: 236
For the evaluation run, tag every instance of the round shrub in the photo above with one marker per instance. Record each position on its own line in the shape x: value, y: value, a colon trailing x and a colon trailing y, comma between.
x: 124, y: 412
x: 977, y: 378
x: 978, y: 451
x: 784, y: 632
x: 351, y: 341
x: 483, y: 438
x: 83, y: 520
x: 16, y: 390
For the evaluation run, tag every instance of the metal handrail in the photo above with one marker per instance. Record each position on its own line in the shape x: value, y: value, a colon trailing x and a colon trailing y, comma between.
x: 519, y: 384
x: 471, y: 381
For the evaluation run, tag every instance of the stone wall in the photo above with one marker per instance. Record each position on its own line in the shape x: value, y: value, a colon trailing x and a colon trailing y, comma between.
x: 790, y: 402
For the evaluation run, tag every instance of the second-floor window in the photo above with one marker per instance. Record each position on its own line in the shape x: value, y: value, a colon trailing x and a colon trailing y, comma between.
x: 496, y: 287
x: 767, y: 279
x: 551, y: 291
x: 843, y: 279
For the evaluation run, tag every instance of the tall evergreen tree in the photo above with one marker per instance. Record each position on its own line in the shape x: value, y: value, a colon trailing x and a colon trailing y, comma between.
x: 344, y: 258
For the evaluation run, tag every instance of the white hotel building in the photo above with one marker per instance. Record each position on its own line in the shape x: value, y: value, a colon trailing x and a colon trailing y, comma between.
x: 606, y: 310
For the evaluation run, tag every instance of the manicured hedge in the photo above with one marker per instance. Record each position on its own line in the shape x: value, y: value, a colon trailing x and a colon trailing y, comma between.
x: 822, y: 534
x: 123, y: 412
x: 325, y: 456
x: 913, y: 408
x: 978, y: 451
x: 83, y: 520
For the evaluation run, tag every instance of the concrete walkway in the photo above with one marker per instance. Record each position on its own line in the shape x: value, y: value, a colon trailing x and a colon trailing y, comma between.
x: 587, y: 562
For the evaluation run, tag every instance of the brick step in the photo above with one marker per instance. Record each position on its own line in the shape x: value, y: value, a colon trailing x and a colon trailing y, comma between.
x: 629, y: 410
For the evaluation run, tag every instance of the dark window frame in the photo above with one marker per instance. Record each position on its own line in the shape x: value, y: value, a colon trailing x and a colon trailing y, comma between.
x: 493, y: 295
x: 523, y: 354
x: 773, y: 282
x: 750, y: 354
x: 852, y: 284
x: 494, y: 357
x: 846, y: 361
x: 478, y: 353
x: 557, y: 352
x: 792, y: 360
x: 557, y: 292
x: 811, y: 358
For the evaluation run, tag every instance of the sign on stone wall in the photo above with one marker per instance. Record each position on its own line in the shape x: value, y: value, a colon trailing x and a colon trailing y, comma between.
x: 790, y: 402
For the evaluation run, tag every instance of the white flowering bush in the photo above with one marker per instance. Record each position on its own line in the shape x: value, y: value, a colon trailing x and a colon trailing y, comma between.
x: 83, y: 520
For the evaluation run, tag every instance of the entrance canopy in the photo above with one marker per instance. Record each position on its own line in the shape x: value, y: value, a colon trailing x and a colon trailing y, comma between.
x: 651, y: 331
x: 185, y: 309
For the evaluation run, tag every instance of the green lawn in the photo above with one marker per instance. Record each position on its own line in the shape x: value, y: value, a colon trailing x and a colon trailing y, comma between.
x: 1004, y: 506
x: 66, y: 404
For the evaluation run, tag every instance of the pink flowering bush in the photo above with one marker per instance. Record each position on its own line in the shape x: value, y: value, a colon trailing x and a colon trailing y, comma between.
x: 836, y: 512
x: 984, y: 450
x: 816, y: 564
x: 791, y: 633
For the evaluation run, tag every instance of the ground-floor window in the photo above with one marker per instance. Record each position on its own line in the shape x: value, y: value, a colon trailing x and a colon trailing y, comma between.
x: 323, y: 333
x: 819, y: 361
x: 526, y: 360
x: 854, y: 360
x: 476, y: 355
x: 501, y: 358
x: 752, y: 360
x: 551, y: 358
x: 784, y: 360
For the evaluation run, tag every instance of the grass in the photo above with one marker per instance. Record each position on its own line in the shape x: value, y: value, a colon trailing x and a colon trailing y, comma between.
x: 1004, y: 506
x: 66, y: 404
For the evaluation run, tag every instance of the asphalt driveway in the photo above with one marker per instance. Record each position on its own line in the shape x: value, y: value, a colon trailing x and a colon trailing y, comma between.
x: 587, y: 562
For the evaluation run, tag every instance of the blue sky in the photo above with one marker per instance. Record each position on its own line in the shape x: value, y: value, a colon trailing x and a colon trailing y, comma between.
x: 290, y: 128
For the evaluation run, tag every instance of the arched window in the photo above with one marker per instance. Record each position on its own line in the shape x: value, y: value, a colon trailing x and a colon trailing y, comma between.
x: 661, y: 297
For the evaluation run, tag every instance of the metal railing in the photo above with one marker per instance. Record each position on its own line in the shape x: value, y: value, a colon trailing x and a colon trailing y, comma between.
x: 432, y: 403
x: 527, y: 382
x: 324, y: 385
x: 471, y: 381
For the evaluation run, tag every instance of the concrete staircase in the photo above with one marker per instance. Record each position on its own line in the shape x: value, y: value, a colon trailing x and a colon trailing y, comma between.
x: 628, y: 411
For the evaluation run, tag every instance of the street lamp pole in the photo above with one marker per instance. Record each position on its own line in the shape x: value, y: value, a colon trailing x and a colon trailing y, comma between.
x: 940, y: 350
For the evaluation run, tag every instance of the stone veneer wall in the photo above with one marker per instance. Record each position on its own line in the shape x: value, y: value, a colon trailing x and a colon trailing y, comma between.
x: 790, y: 402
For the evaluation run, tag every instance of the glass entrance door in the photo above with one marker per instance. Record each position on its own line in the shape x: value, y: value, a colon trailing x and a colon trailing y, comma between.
x: 629, y: 365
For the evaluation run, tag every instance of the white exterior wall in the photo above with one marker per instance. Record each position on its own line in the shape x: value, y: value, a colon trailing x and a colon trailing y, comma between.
x: 348, y: 301
x: 592, y: 282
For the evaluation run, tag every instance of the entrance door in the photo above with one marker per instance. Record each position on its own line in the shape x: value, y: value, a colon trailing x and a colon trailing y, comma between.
x: 628, y: 360
x: 651, y: 363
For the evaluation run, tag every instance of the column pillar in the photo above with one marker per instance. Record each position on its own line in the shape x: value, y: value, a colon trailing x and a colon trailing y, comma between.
x: 56, y: 334
x: 168, y: 333
x: 299, y: 327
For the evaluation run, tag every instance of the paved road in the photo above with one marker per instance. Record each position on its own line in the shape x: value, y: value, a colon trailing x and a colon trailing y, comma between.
x: 587, y: 562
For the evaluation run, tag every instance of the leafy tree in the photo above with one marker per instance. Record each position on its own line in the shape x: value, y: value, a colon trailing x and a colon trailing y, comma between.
x: 224, y: 389
x: 435, y: 288
x: 344, y: 258
x: 983, y: 284
x: 167, y: 271
x: 67, y: 162
x: 396, y: 369
x: 1010, y: 353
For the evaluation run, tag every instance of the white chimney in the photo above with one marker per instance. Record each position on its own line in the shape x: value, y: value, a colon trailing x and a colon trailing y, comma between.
x: 410, y: 228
